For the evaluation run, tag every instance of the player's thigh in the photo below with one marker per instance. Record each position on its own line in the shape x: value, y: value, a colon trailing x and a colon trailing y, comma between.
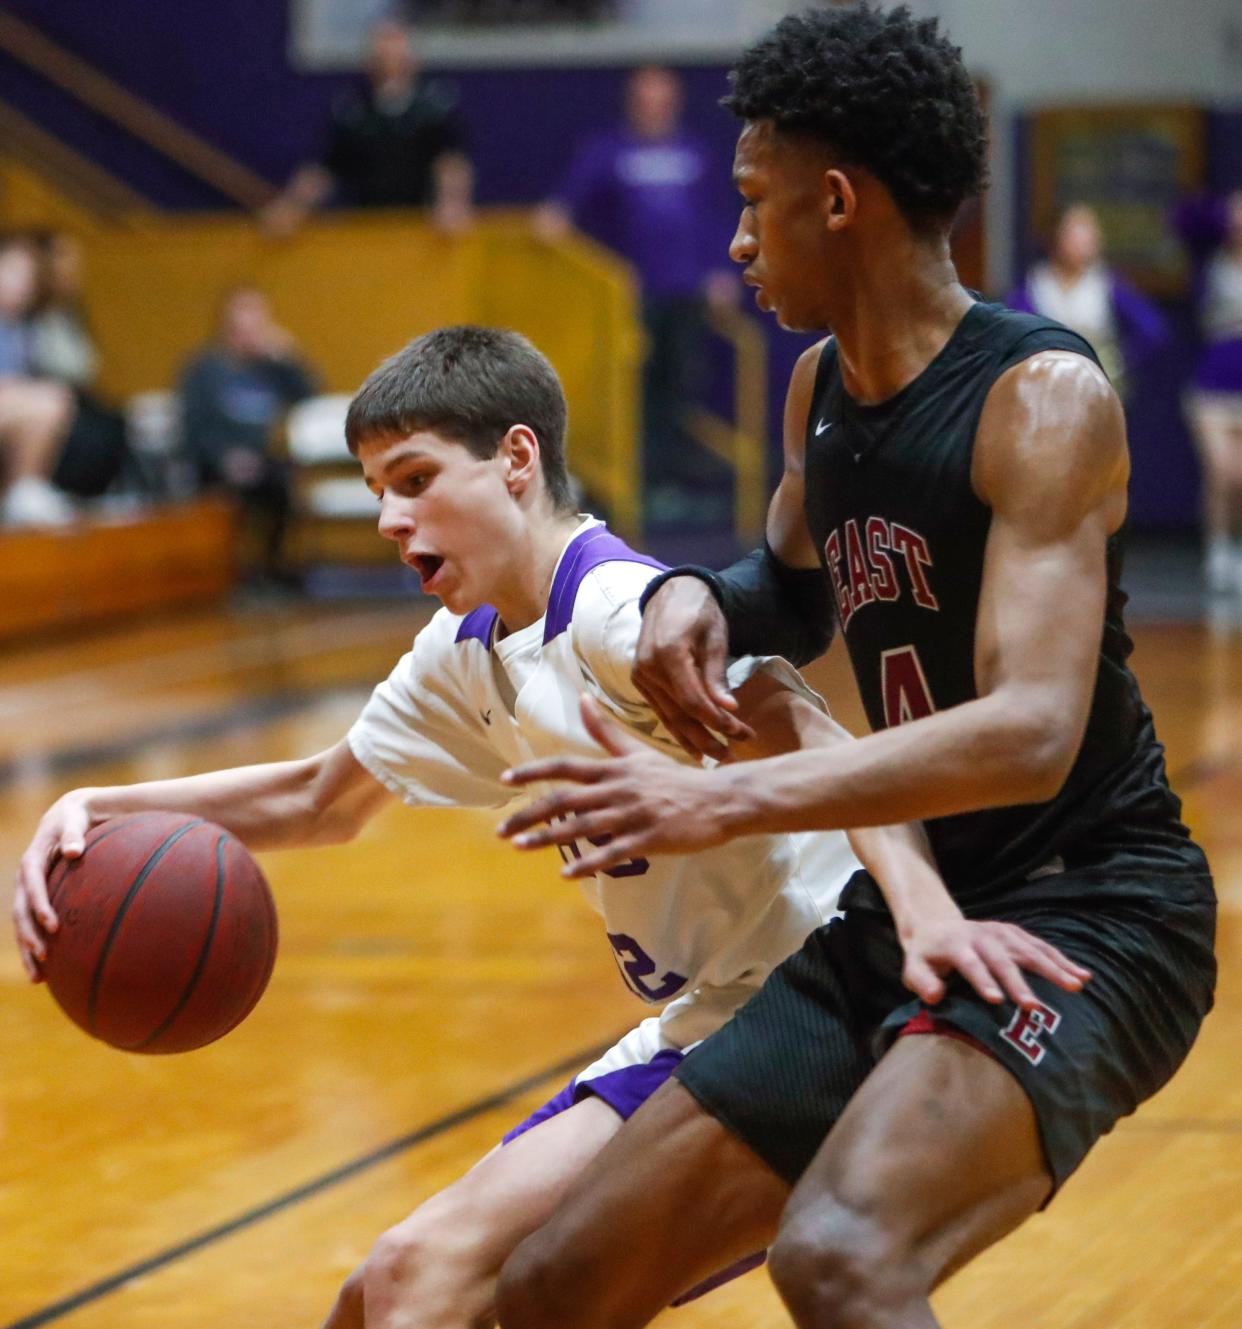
x: 477, y: 1221
x: 937, y: 1156
x: 673, y: 1199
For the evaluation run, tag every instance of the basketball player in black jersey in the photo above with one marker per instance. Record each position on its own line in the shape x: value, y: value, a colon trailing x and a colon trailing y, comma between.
x: 954, y: 488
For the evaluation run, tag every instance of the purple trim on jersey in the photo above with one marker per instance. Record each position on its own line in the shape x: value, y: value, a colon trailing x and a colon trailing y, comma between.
x: 584, y: 553
x: 552, y: 1108
x: 625, y: 1090
x: 478, y: 624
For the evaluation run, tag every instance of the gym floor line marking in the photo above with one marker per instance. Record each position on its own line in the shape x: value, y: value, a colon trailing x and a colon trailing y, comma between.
x: 210, y: 724
x: 105, y: 1286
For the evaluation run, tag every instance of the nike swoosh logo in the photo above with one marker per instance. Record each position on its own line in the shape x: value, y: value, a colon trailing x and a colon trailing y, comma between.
x: 823, y: 427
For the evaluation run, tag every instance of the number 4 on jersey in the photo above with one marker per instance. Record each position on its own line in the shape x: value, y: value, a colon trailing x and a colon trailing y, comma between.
x: 903, y: 686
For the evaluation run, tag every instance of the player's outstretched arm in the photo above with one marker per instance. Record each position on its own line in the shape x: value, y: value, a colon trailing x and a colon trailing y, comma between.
x: 936, y: 939
x: 777, y: 602
x: 324, y: 799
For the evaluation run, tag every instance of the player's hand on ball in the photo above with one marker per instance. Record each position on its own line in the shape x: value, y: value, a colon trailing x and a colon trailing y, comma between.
x: 61, y: 833
x: 991, y: 956
x: 635, y: 803
x: 680, y: 668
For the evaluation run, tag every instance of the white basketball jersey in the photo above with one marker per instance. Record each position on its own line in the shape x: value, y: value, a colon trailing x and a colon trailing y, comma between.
x: 700, y: 931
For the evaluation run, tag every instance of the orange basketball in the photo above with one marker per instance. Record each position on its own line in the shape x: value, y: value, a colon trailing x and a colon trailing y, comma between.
x: 167, y: 933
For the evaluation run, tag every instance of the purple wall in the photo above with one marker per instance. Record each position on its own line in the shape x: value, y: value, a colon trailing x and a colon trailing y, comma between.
x: 221, y: 68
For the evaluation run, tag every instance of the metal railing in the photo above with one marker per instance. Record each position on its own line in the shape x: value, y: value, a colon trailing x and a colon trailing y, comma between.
x: 109, y: 99
x: 741, y: 442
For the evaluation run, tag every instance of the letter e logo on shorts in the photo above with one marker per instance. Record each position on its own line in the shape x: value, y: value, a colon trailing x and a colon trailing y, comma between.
x: 1026, y: 1029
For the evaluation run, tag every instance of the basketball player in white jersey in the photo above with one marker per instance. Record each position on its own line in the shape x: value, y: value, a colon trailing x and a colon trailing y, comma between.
x: 461, y: 438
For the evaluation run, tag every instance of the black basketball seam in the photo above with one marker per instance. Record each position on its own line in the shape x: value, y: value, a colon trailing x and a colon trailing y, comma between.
x: 118, y: 919
x: 200, y: 964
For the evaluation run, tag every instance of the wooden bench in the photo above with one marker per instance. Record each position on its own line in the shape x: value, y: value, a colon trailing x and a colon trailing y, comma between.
x: 107, y: 567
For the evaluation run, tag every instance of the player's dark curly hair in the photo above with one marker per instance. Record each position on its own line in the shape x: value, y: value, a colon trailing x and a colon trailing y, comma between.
x: 882, y: 90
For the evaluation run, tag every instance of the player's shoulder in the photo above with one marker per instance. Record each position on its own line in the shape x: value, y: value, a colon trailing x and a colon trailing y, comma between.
x: 598, y: 574
x: 1014, y: 335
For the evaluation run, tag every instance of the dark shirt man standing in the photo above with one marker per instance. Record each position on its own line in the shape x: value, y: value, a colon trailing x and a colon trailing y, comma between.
x: 393, y: 143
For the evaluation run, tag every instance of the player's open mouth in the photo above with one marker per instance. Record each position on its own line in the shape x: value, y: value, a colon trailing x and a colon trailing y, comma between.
x: 426, y: 565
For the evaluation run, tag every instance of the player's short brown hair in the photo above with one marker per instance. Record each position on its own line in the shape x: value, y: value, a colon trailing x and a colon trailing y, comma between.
x: 471, y: 385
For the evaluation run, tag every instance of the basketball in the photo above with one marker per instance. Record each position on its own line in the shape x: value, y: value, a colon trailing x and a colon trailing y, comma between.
x: 167, y: 933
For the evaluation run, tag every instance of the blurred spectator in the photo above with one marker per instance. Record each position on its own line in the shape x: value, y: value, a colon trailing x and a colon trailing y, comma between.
x: 1212, y: 230
x: 1076, y: 287
x: 649, y: 183
x: 35, y: 415
x: 62, y: 348
x: 234, y: 394
x: 391, y: 143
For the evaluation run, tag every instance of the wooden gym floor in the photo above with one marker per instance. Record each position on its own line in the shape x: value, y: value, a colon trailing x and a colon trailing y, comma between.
x: 433, y: 987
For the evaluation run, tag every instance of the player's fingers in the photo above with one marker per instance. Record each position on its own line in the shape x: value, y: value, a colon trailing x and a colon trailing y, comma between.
x: 978, y: 973
x: 602, y: 857
x: 73, y: 833
x: 1056, y: 958
x: 551, y: 809
x: 605, y: 730
x: 586, y: 827
x: 1048, y: 962
x: 1005, y: 971
x: 578, y: 770
x: 32, y: 884
x: 923, y: 980
x: 692, y: 736
x: 687, y: 684
x: 31, y: 944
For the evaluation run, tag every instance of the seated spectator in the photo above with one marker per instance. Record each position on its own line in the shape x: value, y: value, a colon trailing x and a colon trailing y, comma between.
x: 234, y: 394
x: 35, y: 414
x: 1075, y: 286
x: 1212, y: 230
x: 392, y: 143
x: 62, y: 348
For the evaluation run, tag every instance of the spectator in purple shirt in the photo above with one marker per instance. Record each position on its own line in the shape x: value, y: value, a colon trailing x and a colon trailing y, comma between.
x: 1076, y: 287
x: 1212, y: 230
x: 646, y: 190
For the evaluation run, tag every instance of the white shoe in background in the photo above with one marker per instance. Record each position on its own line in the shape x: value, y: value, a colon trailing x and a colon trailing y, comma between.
x: 1222, y: 563
x: 33, y: 502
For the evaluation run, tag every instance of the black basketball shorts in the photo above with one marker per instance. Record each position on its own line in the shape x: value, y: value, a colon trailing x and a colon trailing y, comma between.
x: 781, y: 1072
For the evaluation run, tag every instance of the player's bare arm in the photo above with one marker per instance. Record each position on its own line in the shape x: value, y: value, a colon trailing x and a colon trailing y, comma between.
x: 324, y: 799
x: 936, y: 938
x: 680, y: 662
x: 1051, y: 463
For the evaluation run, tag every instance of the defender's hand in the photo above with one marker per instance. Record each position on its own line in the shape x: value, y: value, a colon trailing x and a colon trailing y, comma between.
x: 60, y: 834
x: 991, y: 956
x: 636, y: 804
x: 680, y: 668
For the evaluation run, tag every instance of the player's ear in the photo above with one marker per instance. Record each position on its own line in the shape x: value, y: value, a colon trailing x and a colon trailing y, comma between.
x: 520, y: 452
x: 840, y: 199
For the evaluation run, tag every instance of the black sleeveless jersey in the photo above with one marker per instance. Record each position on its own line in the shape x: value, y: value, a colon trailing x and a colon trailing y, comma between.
x: 901, y: 531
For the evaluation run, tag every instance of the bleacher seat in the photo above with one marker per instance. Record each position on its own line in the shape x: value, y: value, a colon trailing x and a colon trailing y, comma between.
x: 335, y: 513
